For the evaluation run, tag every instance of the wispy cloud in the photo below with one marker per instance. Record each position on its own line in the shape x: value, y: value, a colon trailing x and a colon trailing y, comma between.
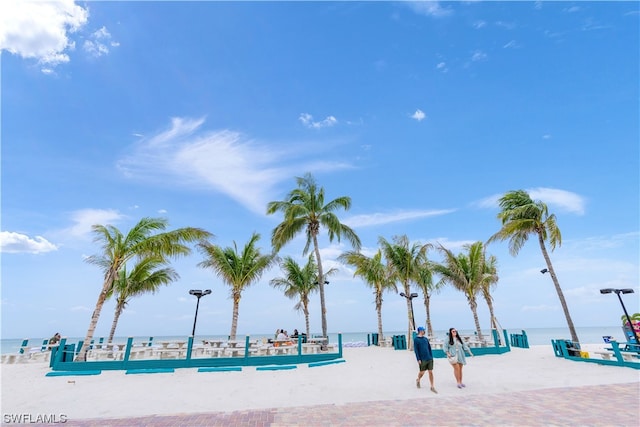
x: 99, y: 43
x: 387, y: 218
x: 223, y: 160
x: 561, y: 199
x: 479, y: 24
x: 307, y: 120
x: 429, y: 8
x: 11, y: 242
x: 512, y: 44
x: 442, y: 66
x: 478, y: 55
x: 41, y: 30
x: 84, y: 219
x: 419, y: 115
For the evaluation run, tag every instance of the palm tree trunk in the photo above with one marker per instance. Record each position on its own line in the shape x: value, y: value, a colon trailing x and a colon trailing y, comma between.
x: 493, y: 318
x: 474, y: 309
x: 306, y: 320
x: 102, y: 297
x: 563, y: 302
x: 234, y: 318
x: 427, y: 301
x: 411, y: 321
x: 119, y: 308
x: 323, y: 307
x: 379, y: 311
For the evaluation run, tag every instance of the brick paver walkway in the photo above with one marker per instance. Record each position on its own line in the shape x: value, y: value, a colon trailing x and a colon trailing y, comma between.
x: 602, y: 405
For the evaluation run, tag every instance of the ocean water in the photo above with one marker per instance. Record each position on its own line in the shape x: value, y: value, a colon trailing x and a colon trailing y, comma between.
x: 536, y: 336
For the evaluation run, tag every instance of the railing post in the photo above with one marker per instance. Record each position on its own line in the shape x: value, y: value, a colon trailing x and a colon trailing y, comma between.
x: 189, y: 347
x: 127, y: 350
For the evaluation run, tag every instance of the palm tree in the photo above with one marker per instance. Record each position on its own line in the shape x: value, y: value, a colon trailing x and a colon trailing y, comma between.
x: 145, y: 277
x: 118, y: 248
x: 305, y: 210
x: 375, y: 274
x: 405, y: 262
x: 298, y: 284
x: 237, y: 269
x: 522, y: 217
x: 466, y: 273
x: 424, y: 281
x: 490, y: 279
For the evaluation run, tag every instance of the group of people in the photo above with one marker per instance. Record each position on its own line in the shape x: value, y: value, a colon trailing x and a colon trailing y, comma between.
x: 454, y: 348
x: 282, y: 335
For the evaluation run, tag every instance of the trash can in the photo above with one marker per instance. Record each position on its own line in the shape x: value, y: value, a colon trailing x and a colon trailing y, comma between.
x: 374, y: 339
x: 399, y: 342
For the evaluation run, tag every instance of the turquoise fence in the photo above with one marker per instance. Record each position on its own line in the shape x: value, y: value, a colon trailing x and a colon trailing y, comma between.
x: 62, y: 358
x: 497, y: 348
x: 571, y: 351
x: 520, y: 340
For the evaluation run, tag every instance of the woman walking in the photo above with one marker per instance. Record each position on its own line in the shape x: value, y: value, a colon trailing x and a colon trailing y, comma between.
x: 455, y: 350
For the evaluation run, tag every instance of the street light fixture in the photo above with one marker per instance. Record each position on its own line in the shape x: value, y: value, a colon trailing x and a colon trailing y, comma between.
x: 410, y: 298
x: 544, y: 270
x: 618, y: 292
x: 198, y: 294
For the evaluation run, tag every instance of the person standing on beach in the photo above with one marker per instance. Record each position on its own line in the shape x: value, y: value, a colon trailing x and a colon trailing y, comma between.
x: 422, y: 348
x: 455, y: 350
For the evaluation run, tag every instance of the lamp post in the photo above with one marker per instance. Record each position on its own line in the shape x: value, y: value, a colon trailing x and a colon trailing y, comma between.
x: 618, y: 292
x: 410, y: 298
x: 198, y: 294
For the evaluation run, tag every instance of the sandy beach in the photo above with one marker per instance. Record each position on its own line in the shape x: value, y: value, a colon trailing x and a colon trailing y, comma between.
x: 369, y: 374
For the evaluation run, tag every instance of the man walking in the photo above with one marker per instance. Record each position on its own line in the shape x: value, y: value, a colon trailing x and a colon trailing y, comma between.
x: 422, y: 348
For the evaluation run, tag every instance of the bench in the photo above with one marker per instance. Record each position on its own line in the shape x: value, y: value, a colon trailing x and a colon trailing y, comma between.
x: 627, y: 355
x: 606, y: 355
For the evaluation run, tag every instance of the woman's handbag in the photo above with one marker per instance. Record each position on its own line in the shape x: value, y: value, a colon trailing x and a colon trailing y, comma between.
x: 452, y: 359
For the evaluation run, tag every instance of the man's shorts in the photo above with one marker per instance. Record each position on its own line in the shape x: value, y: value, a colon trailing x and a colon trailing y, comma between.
x: 426, y: 365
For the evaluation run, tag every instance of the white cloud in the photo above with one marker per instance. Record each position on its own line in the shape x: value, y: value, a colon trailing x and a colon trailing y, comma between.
x: 224, y: 160
x: 479, y: 24
x: 429, y: 8
x: 84, y: 219
x: 564, y: 200
x: 11, y: 242
x: 478, y: 55
x: 387, y: 218
x: 442, y: 66
x: 307, y: 120
x: 511, y: 45
x: 418, y: 115
x: 561, y: 199
x: 99, y: 43
x: 40, y: 30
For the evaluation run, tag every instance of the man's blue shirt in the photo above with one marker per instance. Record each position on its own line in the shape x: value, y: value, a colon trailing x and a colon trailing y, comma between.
x: 422, y: 348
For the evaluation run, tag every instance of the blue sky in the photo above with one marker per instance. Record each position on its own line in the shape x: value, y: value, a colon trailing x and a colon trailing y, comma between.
x: 423, y: 113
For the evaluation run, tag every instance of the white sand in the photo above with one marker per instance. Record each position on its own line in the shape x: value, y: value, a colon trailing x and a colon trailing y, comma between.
x: 369, y: 374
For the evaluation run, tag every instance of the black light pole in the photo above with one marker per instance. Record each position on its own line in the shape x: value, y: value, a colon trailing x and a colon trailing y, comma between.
x: 410, y: 298
x: 198, y: 294
x: 618, y: 292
